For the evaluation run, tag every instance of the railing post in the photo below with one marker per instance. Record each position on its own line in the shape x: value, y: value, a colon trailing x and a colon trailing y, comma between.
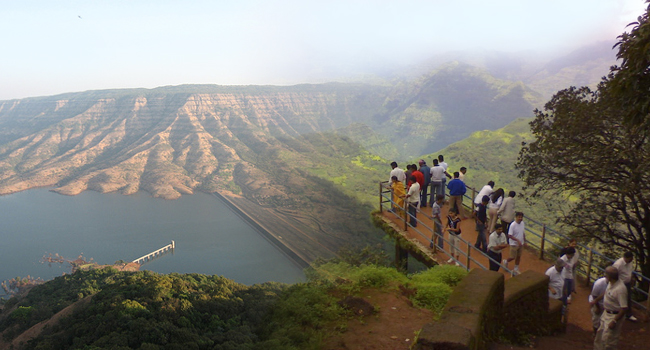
x: 647, y: 305
x: 472, y: 199
x: 591, y: 259
x: 541, y: 249
x: 381, y: 206
x: 407, y: 216
x: 433, y: 234
x: 469, y: 249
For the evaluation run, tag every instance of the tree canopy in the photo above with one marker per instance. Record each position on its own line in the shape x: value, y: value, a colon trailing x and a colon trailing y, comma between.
x: 630, y: 82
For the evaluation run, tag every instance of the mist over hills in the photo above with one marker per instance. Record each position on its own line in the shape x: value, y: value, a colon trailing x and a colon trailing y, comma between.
x: 544, y: 73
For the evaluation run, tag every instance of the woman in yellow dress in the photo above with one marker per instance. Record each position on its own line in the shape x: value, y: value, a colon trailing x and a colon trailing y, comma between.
x: 398, y: 196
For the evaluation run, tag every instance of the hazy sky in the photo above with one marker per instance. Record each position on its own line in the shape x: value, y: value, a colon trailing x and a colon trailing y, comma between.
x: 51, y: 47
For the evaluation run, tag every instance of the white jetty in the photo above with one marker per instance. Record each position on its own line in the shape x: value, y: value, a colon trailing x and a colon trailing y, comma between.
x: 141, y: 260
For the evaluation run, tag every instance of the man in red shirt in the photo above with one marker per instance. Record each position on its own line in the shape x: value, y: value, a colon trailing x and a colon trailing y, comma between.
x: 419, y: 177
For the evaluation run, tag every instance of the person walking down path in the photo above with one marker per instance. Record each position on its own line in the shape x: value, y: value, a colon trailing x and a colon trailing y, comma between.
x: 570, y: 259
x: 597, y: 308
x: 457, y: 190
x: 556, y: 281
x: 615, y: 305
x: 625, y: 273
x: 517, y: 234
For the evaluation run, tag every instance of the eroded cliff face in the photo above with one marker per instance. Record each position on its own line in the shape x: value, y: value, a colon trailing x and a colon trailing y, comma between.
x: 167, y: 145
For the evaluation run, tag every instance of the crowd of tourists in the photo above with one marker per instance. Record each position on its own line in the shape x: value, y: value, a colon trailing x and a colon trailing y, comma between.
x: 412, y: 186
x: 416, y: 188
x: 610, y: 298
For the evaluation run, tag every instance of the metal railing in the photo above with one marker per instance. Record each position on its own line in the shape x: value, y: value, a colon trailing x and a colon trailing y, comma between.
x: 421, y: 227
x: 592, y: 265
x: 543, y: 234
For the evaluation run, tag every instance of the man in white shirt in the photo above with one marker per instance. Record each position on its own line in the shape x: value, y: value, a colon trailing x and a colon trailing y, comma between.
x: 444, y: 165
x: 396, y: 172
x: 413, y: 199
x: 555, y: 280
x: 517, y: 239
x: 570, y: 257
x: 437, y: 174
x: 614, y: 305
x: 625, y: 269
x: 597, y: 292
x: 485, y: 191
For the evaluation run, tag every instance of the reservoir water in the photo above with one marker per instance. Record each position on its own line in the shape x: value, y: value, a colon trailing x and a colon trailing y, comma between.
x: 210, y: 238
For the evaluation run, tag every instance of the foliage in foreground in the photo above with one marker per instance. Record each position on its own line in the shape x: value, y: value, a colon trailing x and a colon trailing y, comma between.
x: 146, y: 310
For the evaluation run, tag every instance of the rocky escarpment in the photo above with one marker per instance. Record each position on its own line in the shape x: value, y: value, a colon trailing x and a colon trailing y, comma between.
x: 167, y: 145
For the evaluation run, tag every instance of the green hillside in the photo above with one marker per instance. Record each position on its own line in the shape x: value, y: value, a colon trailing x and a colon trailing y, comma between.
x: 107, y: 309
x: 491, y: 155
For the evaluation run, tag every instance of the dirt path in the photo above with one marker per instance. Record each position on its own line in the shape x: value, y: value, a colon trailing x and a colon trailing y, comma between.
x: 579, y: 327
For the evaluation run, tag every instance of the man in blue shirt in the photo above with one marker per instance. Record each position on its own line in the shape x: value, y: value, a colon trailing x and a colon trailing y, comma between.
x: 457, y: 189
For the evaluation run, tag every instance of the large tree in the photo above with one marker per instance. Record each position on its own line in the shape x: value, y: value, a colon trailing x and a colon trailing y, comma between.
x: 591, y: 152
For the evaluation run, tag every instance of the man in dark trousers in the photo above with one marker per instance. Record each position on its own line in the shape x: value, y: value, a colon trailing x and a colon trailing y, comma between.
x: 426, y: 171
x: 481, y: 224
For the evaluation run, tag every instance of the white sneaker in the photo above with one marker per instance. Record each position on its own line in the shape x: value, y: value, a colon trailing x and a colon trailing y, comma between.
x: 451, y: 260
x: 504, y: 262
x: 457, y: 264
x: 632, y: 318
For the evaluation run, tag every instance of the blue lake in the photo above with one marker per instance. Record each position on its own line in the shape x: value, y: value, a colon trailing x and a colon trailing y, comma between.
x: 210, y: 238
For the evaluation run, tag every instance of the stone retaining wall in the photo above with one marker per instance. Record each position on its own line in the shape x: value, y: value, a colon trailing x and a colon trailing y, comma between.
x: 483, y: 309
x: 471, y: 319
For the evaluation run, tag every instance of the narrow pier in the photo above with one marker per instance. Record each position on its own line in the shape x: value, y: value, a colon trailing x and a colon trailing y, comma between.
x: 143, y: 259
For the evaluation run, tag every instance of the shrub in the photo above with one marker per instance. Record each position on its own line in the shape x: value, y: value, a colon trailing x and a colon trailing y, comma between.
x: 433, y: 295
x: 447, y: 274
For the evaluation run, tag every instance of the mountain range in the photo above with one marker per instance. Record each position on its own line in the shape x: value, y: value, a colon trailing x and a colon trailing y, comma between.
x: 306, y: 157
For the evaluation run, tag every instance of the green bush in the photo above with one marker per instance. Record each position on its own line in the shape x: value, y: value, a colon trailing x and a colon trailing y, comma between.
x: 352, y: 278
x: 433, y: 295
x: 447, y: 274
x: 377, y: 276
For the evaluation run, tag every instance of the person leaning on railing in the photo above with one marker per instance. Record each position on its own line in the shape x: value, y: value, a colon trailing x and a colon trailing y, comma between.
x: 507, y: 211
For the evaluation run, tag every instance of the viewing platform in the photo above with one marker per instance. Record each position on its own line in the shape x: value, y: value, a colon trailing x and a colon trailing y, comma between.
x: 155, y: 254
x: 416, y: 242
